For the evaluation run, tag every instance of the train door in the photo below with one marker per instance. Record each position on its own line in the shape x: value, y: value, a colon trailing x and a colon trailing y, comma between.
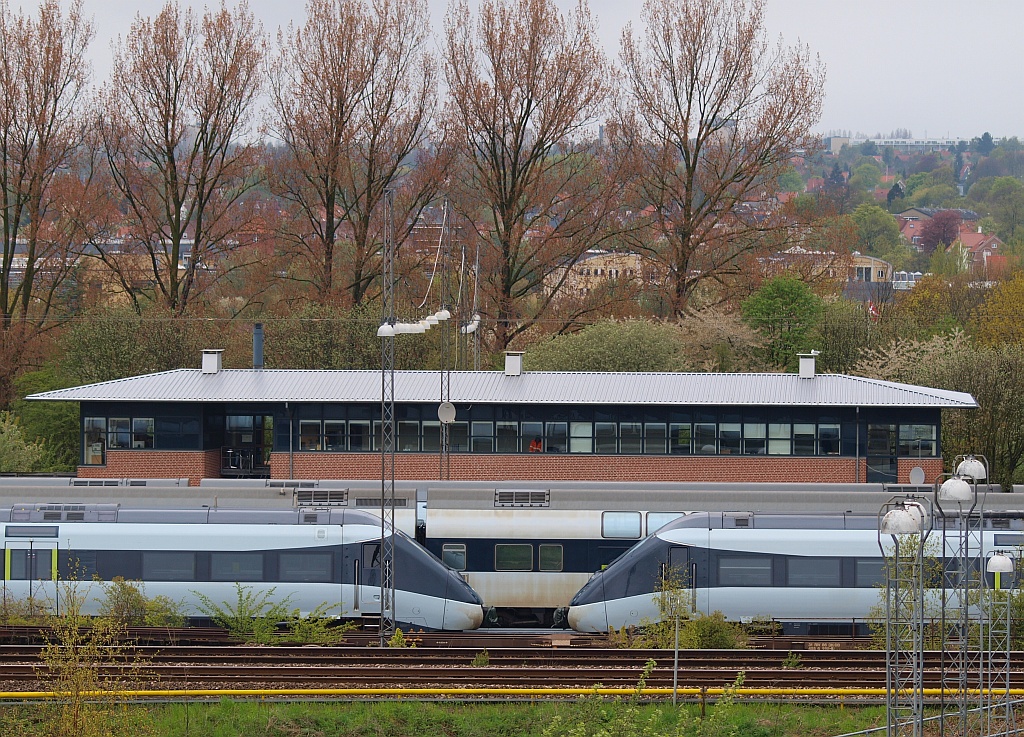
x: 30, y: 571
x: 682, y: 572
x: 369, y: 578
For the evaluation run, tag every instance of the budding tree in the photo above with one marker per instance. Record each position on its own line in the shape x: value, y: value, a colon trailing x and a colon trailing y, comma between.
x: 526, y: 85
x: 177, y: 110
x: 44, y: 72
x: 715, y: 113
x: 353, y: 93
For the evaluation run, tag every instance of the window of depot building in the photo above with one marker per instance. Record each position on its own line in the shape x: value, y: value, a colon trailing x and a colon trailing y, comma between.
x: 100, y: 434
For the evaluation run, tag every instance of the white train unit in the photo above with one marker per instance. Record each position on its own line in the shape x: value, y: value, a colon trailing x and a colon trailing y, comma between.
x: 313, y: 556
x: 814, y: 573
x: 526, y: 547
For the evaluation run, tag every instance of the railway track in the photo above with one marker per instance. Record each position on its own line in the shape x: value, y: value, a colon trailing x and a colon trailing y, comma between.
x: 180, y: 667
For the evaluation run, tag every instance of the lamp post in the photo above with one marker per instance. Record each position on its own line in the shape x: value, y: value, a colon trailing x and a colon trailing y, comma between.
x: 1000, y: 717
x: 903, y: 528
x: 958, y: 503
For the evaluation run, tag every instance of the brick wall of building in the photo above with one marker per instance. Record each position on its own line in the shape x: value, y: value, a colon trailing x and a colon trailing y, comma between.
x: 197, y: 465
x: 157, y: 464
x: 591, y: 468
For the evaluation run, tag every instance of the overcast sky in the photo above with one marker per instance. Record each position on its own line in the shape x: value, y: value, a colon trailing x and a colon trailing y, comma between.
x: 936, y: 67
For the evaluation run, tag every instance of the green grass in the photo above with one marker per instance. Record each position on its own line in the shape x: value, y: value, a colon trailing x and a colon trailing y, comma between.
x: 402, y: 718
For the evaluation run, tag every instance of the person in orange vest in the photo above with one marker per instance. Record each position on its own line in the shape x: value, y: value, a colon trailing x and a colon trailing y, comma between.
x: 535, y: 446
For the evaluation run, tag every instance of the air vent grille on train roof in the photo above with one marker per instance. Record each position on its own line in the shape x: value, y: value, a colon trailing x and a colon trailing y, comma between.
x: 375, y: 503
x: 522, y: 497
x: 322, y: 497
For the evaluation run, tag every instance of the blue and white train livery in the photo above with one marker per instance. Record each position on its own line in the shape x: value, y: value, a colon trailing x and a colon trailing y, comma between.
x: 312, y: 556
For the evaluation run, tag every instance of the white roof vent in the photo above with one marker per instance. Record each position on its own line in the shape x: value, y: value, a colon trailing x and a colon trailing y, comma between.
x: 807, y: 364
x: 212, y: 360
x: 513, y: 363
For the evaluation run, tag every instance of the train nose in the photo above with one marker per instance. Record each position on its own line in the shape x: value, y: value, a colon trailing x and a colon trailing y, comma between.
x: 589, y: 618
x: 460, y: 616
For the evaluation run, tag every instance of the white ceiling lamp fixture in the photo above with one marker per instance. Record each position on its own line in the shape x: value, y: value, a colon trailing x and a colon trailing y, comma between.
x: 955, y: 489
x: 386, y: 330
x: 973, y: 467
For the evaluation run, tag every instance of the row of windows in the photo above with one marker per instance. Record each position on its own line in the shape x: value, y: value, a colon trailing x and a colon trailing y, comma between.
x: 506, y: 436
x: 511, y: 436
x: 508, y: 556
x: 309, y: 566
x: 757, y: 570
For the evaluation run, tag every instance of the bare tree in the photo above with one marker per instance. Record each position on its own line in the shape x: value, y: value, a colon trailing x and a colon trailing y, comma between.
x: 715, y: 114
x: 44, y: 73
x: 526, y: 85
x: 353, y: 95
x: 177, y: 110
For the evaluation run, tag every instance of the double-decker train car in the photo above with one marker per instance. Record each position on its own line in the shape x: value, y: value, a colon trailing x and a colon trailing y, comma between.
x: 311, y: 556
x: 813, y: 573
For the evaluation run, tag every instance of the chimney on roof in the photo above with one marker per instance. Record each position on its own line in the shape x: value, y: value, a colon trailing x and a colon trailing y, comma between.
x: 513, y: 363
x: 212, y: 360
x: 807, y: 364
x: 257, y: 345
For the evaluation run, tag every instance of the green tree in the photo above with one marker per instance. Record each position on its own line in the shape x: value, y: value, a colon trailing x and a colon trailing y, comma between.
x: 54, y: 425
x: 629, y: 345
x: 866, y: 177
x: 784, y: 311
x: 877, y: 231
x: 791, y: 181
x: 1005, y: 202
x: 843, y: 333
x: 17, y: 455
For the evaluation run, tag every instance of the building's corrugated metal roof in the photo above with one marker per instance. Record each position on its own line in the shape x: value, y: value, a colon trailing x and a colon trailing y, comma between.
x: 535, y: 387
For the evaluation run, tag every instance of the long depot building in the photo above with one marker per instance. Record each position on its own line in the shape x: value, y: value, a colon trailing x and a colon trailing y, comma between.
x: 213, y: 422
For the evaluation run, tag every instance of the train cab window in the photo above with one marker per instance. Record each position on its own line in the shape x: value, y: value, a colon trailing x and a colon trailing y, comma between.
x: 453, y: 555
x: 624, y: 525
x: 549, y: 557
x: 657, y: 520
x: 312, y: 567
x: 168, y: 566
x: 869, y: 572
x: 516, y: 557
x: 236, y: 566
x: 813, y: 572
x: 744, y: 570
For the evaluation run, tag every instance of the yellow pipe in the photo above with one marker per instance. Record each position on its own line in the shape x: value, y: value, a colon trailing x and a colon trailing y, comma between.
x: 688, y: 691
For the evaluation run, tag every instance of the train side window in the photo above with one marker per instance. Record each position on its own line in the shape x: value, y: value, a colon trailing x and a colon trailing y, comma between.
x: 236, y: 566
x: 801, y: 571
x: 621, y: 524
x: 657, y: 520
x: 869, y: 572
x: 306, y: 567
x: 517, y: 557
x: 31, y: 565
x: 549, y: 557
x: 168, y: 566
x: 744, y: 570
x: 453, y: 555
